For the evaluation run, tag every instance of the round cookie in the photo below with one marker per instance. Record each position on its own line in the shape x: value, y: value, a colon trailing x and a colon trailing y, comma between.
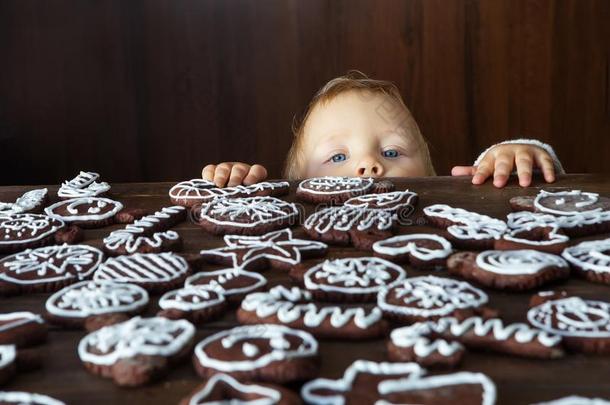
x: 235, y: 284
x: 247, y: 216
x: 466, y: 229
x: 86, y: 212
x: 22, y: 329
x: 423, y: 250
x: 277, y: 249
x: 22, y: 231
x: 26, y: 398
x: 198, y: 191
x: 515, y: 270
x: 30, y: 202
x: 196, y: 304
x: 400, y: 202
x: 590, y: 260
x: 136, y: 351
x: 156, y: 272
x: 429, y: 297
x: 78, y: 305
x: 346, y: 225
x: 47, y: 269
x: 83, y: 185
x: 571, y: 202
x: 333, y: 190
x: 262, y: 352
x: 528, y: 230
x: 224, y: 389
x: 356, y: 279
x: 296, y: 308
x: 583, y: 324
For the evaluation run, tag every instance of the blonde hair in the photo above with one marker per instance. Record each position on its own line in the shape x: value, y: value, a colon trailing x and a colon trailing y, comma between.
x: 353, y: 80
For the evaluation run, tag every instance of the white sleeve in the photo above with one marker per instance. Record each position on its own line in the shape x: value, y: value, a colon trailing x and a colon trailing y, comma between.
x: 548, y: 148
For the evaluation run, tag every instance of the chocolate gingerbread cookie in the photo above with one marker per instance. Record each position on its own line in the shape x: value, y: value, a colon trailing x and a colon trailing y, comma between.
x: 156, y: 272
x: 333, y: 190
x: 297, y: 309
x: 196, y: 304
x: 424, y: 250
x: 515, y: 270
x: 356, y: 279
x: 234, y: 283
x: 400, y: 202
x: 83, y: 185
x: 247, y: 216
x: 346, y: 225
x: 93, y: 303
x: 149, y: 234
x: 137, y: 351
x: 47, y: 269
x: 224, y: 389
x: 429, y: 297
x: 278, y: 249
x: 30, y: 202
x: 86, y: 212
x: 528, y: 230
x: 23, y: 231
x: 198, y: 191
x: 262, y: 352
x: 591, y: 260
x: 22, y: 329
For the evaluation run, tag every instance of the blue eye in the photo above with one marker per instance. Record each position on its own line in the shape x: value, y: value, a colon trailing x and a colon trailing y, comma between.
x: 339, y: 157
x: 390, y: 153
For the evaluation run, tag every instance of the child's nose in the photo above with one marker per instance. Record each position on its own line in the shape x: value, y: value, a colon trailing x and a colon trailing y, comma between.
x: 369, y: 168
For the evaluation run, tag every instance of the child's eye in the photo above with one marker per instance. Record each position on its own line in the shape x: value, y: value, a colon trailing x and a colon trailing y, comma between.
x: 339, y: 157
x: 390, y: 153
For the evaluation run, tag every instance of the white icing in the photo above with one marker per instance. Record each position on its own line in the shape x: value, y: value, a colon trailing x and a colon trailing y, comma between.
x: 469, y: 225
x: 8, y: 354
x: 221, y: 277
x: 330, y: 185
x: 50, y: 264
x: 391, y: 201
x: 429, y: 296
x: 27, y: 202
x: 14, y: 320
x: 590, y: 256
x: 575, y: 400
x: 408, y: 245
x: 255, y: 211
x: 348, y: 218
x: 517, y: 262
x: 204, y: 190
x: 268, y: 396
x: 572, y: 316
x: 190, y: 299
x: 290, y: 305
x: 280, y: 348
x: 26, y: 398
x: 88, y: 298
x: 143, y: 268
x: 315, y: 391
x: 34, y: 226
x: 83, y: 185
x: 579, y: 199
x: 84, y: 209
x: 397, y: 386
x: 135, y: 236
x: 359, y: 275
x: 277, y: 246
x: 138, y: 336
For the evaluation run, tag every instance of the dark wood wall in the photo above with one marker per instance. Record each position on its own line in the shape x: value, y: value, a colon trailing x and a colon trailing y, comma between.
x: 151, y: 90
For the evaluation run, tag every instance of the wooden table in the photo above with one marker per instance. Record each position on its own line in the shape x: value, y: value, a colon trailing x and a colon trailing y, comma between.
x: 519, y: 381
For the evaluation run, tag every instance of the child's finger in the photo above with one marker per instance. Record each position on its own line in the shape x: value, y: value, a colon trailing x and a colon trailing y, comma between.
x: 208, y: 172
x: 256, y: 174
x: 544, y: 161
x: 463, y: 170
x: 524, y: 163
x: 484, y: 170
x: 221, y: 175
x: 502, y: 168
x: 238, y: 172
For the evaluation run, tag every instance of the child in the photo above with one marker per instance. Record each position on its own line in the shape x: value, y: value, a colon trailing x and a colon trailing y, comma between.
x: 356, y: 126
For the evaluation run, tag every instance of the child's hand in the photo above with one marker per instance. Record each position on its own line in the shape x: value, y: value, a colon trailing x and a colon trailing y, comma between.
x: 501, y: 159
x: 235, y: 173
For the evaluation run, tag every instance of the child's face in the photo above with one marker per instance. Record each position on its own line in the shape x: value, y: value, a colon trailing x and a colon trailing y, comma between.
x: 360, y: 133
